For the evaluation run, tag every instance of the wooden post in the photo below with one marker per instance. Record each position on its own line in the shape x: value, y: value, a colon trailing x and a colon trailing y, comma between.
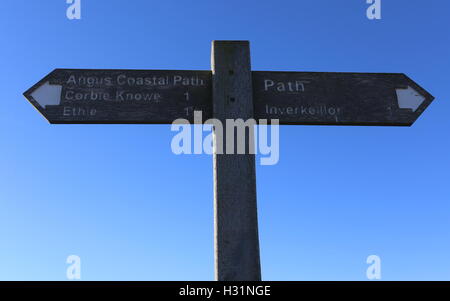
x: 236, y: 242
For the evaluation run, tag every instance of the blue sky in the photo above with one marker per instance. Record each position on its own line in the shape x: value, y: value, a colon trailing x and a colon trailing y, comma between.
x: 116, y: 196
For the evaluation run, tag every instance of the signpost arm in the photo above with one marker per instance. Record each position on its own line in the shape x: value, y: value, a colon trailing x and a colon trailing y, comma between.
x: 236, y: 242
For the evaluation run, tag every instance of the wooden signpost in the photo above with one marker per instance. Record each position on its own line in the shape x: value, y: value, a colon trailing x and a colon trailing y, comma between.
x: 229, y: 91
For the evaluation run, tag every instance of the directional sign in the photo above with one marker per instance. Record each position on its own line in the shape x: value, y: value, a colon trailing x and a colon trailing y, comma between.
x: 338, y: 98
x: 160, y: 97
x: 122, y: 96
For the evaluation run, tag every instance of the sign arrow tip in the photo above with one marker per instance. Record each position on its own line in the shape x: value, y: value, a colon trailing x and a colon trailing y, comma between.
x: 409, y: 98
x: 47, y: 94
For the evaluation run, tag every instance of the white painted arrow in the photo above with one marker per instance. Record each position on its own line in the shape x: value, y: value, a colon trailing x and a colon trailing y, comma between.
x: 409, y: 98
x: 47, y: 94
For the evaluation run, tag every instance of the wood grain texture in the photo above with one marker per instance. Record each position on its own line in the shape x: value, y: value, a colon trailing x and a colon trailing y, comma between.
x: 235, y: 206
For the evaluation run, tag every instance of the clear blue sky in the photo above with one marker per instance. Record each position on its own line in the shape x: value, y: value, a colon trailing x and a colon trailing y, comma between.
x: 116, y: 195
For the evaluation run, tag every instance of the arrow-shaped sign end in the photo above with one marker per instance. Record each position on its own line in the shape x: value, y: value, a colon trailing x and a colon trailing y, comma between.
x: 46, y: 94
x: 409, y: 98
